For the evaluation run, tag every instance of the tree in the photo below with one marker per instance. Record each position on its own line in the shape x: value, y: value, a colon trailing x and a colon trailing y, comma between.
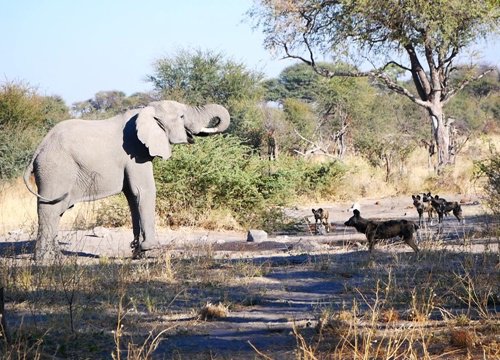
x: 105, y: 104
x: 108, y: 100
x: 428, y: 35
x: 298, y: 81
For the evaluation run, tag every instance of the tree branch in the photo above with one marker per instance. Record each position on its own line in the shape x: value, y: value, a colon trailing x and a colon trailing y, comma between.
x: 418, y: 74
x: 463, y: 84
x: 397, y: 64
x: 375, y: 74
x: 400, y: 89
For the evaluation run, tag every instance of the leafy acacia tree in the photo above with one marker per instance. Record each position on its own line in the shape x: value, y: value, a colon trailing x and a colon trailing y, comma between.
x: 423, y: 38
x: 297, y: 81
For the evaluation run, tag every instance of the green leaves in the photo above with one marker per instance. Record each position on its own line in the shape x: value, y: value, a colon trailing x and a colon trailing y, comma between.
x: 25, y: 117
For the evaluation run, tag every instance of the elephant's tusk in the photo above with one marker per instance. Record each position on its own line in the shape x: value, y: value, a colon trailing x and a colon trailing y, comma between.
x: 209, y: 130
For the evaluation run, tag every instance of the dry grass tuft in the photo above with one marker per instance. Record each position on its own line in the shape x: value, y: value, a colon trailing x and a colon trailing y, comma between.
x: 389, y: 316
x: 335, y: 324
x: 211, y: 312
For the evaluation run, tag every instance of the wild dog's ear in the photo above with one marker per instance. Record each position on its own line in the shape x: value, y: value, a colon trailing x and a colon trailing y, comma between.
x: 356, y: 212
x: 418, y: 197
x: 314, y: 211
x: 413, y: 197
x: 436, y: 197
x: 151, y: 134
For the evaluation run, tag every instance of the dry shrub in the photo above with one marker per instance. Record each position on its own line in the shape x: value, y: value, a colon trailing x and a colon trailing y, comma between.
x: 363, y: 180
x: 211, y: 312
x: 219, y: 219
x: 113, y: 212
x: 422, y: 304
x: 462, y: 338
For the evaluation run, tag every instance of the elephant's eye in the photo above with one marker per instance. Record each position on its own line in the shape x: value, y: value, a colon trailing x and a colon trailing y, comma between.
x: 182, y: 116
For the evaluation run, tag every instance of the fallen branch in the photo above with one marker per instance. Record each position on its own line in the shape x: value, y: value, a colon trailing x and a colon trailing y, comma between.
x: 313, y: 150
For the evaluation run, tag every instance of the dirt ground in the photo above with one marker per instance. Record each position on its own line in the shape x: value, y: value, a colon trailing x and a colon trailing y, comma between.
x: 305, y: 273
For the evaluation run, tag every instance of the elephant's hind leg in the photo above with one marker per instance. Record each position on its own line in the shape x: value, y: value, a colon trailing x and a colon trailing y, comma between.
x: 46, y: 247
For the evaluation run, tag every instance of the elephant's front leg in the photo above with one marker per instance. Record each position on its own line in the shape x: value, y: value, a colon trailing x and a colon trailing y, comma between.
x: 136, y: 225
x: 142, y: 187
x: 147, y: 201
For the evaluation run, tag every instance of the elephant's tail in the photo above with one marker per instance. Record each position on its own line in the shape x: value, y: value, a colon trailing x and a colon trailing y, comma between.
x: 26, y: 178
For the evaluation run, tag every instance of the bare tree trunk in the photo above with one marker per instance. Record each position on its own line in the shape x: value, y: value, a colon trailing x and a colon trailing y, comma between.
x: 387, y: 159
x: 3, y: 323
x: 441, y: 132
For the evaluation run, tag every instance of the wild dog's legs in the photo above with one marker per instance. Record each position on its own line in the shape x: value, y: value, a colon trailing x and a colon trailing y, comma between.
x: 371, y: 241
x: 327, y: 225
x: 411, y: 242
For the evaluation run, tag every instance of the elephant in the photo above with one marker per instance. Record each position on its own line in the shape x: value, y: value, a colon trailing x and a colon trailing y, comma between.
x: 85, y: 160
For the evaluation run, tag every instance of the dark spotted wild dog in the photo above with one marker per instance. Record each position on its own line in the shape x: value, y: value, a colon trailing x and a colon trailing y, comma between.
x: 376, y: 230
x: 321, y: 217
x: 444, y: 207
x: 422, y: 207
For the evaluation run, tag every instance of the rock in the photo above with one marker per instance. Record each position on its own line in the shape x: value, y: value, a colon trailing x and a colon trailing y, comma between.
x: 256, y: 235
x: 100, y: 231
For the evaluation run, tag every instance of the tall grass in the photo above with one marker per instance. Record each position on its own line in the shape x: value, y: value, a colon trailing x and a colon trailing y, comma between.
x: 18, y: 211
x: 17, y: 207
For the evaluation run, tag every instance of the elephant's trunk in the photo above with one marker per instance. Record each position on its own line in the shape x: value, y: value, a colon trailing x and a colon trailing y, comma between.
x: 208, y: 119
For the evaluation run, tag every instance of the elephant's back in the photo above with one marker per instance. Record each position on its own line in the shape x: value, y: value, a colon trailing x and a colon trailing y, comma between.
x: 78, y: 138
x: 67, y: 132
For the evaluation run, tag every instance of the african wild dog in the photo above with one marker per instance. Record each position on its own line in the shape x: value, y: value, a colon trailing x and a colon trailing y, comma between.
x: 444, y: 207
x: 422, y: 207
x: 321, y: 217
x: 375, y: 230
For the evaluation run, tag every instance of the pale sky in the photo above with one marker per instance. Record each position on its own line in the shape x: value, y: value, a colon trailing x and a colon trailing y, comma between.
x: 75, y: 48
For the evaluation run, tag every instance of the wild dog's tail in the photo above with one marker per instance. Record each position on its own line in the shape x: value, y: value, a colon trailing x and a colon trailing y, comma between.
x: 26, y: 178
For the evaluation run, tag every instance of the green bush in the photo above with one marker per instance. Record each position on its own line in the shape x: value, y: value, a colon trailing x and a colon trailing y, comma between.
x: 216, y: 172
x: 490, y: 169
x: 16, y: 149
x: 221, y: 173
x: 25, y: 117
x: 321, y: 180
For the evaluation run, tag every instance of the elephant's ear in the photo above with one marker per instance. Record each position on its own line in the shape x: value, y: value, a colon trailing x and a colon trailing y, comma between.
x: 151, y: 134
